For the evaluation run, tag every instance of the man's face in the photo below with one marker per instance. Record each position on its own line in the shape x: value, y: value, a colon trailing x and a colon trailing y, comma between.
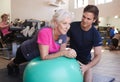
x: 87, y: 19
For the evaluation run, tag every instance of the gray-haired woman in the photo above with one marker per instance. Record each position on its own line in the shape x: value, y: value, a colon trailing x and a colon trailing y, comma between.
x: 48, y: 43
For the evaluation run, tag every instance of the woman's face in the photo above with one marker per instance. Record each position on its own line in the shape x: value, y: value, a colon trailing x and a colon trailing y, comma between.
x: 63, y: 26
x: 5, y: 18
x: 87, y: 19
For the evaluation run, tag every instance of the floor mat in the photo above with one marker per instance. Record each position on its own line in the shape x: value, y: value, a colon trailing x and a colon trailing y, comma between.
x: 102, y: 78
x: 4, y: 77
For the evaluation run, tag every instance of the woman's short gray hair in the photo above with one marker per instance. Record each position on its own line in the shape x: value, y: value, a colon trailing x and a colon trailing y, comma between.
x: 60, y: 15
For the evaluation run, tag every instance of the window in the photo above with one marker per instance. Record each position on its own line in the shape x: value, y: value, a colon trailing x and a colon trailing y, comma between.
x: 80, y: 3
x: 102, y: 1
x: 108, y: 1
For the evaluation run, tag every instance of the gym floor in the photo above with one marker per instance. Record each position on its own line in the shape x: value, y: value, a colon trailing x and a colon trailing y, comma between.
x: 108, y: 66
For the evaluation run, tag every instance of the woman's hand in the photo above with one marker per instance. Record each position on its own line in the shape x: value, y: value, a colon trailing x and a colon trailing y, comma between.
x: 11, y: 24
x: 70, y: 53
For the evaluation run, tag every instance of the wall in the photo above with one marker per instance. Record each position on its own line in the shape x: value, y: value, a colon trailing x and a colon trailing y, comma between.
x: 5, y: 7
x: 107, y: 12
x: 39, y: 9
x: 33, y: 9
x: 114, y: 22
x: 103, y: 21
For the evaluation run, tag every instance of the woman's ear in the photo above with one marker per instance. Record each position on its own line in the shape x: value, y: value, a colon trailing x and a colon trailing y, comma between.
x: 55, y: 24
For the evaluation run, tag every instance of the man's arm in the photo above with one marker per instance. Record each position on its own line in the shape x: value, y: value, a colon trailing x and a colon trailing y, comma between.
x: 96, y: 58
x: 94, y: 61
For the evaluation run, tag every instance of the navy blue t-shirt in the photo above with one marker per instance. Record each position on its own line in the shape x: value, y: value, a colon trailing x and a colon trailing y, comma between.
x: 83, y: 41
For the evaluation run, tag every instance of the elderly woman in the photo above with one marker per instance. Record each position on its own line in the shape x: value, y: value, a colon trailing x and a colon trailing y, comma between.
x: 50, y: 42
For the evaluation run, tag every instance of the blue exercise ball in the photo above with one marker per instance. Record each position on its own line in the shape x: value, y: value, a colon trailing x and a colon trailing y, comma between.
x: 61, y: 69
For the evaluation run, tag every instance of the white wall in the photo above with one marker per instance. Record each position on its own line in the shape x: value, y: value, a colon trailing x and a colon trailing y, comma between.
x: 110, y: 9
x: 107, y: 12
x: 5, y: 7
x: 33, y: 9
x: 39, y: 9
x: 115, y: 22
x: 103, y: 21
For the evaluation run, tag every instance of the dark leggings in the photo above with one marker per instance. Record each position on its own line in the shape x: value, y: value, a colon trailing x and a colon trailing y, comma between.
x: 8, y: 38
x: 19, y: 57
x: 115, y: 42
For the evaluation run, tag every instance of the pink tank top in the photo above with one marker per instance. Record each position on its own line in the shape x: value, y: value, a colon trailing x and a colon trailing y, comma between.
x: 45, y: 37
x: 5, y: 31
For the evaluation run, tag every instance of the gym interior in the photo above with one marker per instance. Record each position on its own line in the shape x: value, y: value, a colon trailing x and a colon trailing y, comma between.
x: 24, y: 14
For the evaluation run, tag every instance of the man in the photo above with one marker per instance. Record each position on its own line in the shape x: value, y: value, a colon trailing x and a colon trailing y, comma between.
x: 83, y: 36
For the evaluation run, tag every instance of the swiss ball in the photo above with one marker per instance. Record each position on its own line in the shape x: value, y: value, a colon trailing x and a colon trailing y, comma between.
x: 61, y: 69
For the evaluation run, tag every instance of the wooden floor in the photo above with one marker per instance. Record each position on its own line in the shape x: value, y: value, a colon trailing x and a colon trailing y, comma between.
x: 109, y: 64
x: 3, y: 63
